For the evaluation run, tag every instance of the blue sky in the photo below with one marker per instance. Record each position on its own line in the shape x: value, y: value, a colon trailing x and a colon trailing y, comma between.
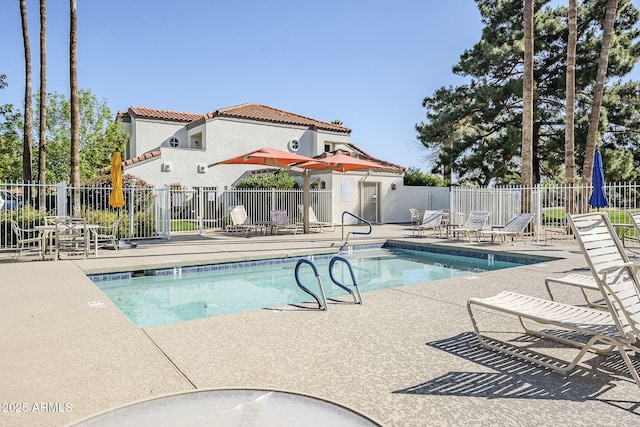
x: 367, y: 63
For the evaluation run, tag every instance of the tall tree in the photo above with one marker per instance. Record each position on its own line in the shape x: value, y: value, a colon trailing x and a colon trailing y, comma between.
x: 27, y: 144
x: 527, y: 97
x: 42, y: 134
x: 569, y: 120
x: 598, y: 91
x: 570, y: 88
x: 75, y: 134
x: 477, y: 127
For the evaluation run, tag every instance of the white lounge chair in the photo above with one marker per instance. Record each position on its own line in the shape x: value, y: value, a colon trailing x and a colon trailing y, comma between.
x: 582, y: 281
x: 473, y: 225
x: 280, y: 221
x: 513, y: 229
x: 632, y: 232
x: 614, y: 328
x: 313, y: 220
x: 432, y: 220
x: 241, y: 223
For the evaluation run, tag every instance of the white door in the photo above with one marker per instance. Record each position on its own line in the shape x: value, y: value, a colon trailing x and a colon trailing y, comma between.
x: 369, y: 201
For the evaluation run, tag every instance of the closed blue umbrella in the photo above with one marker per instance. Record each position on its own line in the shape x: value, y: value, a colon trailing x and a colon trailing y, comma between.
x: 598, y: 198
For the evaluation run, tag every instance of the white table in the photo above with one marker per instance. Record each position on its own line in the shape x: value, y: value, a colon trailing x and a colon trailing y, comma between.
x: 48, y: 234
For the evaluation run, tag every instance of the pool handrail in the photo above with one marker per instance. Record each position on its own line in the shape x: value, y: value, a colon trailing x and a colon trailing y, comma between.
x: 320, y: 299
x: 357, y: 298
x: 355, y: 232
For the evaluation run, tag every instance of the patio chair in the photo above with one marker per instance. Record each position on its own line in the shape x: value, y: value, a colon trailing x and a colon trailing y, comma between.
x: 416, y: 216
x: 432, y: 220
x: 514, y: 228
x: 313, y: 220
x: 107, y: 234
x: 26, y: 239
x: 71, y: 236
x: 241, y: 223
x: 615, y: 328
x: 280, y: 221
x: 473, y: 225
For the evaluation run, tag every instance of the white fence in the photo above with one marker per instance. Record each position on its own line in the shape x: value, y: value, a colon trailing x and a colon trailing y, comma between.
x: 149, y: 212
x: 160, y: 212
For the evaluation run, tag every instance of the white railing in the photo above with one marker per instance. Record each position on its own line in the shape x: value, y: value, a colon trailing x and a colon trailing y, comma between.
x: 160, y: 212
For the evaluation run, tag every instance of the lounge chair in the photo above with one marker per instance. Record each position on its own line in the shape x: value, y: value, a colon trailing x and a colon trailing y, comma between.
x: 582, y: 281
x: 280, y: 221
x: 473, y: 225
x: 514, y: 228
x: 313, y: 220
x: 634, y: 229
x: 241, y: 222
x: 432, y: 220
x: 614, y: 328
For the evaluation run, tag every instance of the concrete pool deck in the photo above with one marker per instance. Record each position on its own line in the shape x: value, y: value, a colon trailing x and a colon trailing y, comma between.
x: 406, y: 357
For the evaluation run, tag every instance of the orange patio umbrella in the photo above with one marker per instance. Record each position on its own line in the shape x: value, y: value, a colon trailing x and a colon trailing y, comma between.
x: 267, y: 157
x: 116, y: 198
x: 341, y: 162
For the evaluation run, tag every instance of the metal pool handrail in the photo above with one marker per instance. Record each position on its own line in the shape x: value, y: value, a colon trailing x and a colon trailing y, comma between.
x: 357, y: 298
x: 359, y: 219
x: 322, y: 301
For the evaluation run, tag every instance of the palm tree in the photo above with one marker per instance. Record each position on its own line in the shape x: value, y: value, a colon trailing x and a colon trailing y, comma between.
x: 75, y: 131
x: 569, y: 142
x: 598, y: 91
x: 527, y: 108
x: 27, y: 142
x: 42, y: 137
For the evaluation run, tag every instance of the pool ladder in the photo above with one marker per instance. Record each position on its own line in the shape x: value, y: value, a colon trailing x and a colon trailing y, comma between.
x: 320, y: 297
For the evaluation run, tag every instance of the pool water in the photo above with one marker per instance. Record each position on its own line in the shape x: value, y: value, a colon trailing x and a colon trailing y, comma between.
x: 161, y: 299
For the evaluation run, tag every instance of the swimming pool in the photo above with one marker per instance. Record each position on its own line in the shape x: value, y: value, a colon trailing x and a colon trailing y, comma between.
x: 179, y: 294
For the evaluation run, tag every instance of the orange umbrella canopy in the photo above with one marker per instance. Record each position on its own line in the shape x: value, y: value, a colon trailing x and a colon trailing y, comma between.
x: 266, y: 156
x: 341, y: 162
x: 116, y: 198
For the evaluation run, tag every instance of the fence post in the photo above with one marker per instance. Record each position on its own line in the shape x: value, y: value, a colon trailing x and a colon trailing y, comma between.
x: 201, y: 210
x: 61, y: 199
x: 132, y: 184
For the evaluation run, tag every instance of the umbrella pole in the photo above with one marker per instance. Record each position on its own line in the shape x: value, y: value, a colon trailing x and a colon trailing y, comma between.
x: 305, y: 200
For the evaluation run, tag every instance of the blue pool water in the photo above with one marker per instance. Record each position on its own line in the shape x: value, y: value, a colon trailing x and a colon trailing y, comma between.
x: 179, y: 294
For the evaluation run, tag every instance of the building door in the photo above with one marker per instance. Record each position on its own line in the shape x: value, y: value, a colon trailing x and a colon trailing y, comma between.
x: 369, y: 201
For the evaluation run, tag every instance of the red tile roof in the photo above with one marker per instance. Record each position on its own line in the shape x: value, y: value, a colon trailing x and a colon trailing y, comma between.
x: 269, y: 114
x: 249, y: 111
x: 143, y: 157
x: 152, y: 113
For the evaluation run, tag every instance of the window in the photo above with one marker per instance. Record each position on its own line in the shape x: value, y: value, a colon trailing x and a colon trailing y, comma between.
x: 328, y: 148
x: 174, y: 142
x: 294, y: 145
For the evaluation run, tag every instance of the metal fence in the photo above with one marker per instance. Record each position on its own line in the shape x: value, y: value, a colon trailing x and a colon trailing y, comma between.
x: 149, y: 212
x: 550, y: 203
x: 159, y: 212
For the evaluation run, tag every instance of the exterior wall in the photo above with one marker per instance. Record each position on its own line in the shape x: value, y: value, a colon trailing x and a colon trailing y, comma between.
x: 147, y: 135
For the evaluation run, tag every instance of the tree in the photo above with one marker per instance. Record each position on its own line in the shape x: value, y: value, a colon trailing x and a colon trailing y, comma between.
x: 42, y: 139
x: 527, y: 96
x: 598, y: 91
x: 570, y: 91
x: 415, y: 177
x: 10, y: 145
x: 476, y: 128
x: 75, y: 136
x: 280, y: 180
x: 27, y: 152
